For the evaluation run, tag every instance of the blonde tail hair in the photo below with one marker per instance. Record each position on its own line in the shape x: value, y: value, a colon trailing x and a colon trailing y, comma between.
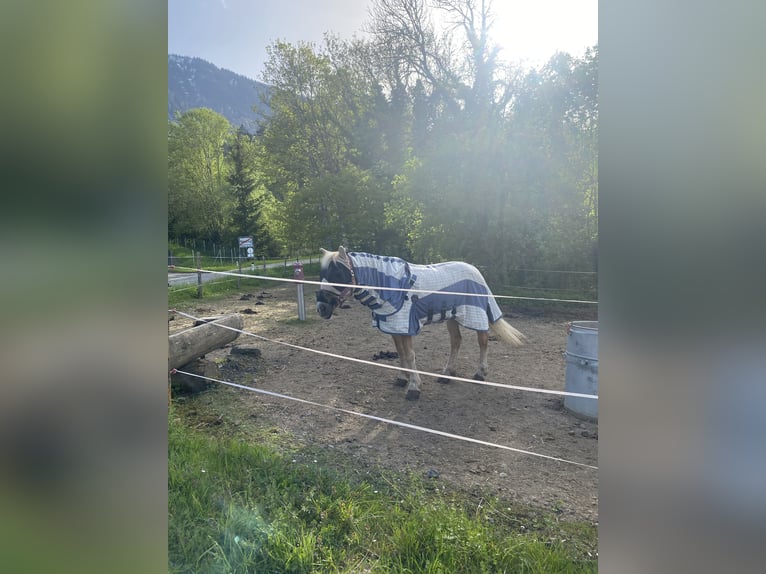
x: 503, y: 331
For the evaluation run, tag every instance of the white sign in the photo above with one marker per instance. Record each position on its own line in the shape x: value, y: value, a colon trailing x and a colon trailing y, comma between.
x: 245, y: 242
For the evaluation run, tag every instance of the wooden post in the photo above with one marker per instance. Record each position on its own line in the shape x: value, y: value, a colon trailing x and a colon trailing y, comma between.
x: 239, y: 278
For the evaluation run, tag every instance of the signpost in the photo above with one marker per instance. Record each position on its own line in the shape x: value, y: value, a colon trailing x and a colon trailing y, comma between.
x: 245, y: 242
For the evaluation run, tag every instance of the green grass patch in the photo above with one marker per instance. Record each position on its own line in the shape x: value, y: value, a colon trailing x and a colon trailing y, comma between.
x: 239, y: 507
x: 296, y: 322
x: 218, y: 288
x: 184, y: 259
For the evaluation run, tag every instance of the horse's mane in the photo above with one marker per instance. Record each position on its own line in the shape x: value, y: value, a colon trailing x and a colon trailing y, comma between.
x: 327, y: 256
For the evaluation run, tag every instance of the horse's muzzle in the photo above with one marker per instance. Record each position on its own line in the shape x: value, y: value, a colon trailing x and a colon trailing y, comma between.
x: 326, y: 304
x: 325, y: 309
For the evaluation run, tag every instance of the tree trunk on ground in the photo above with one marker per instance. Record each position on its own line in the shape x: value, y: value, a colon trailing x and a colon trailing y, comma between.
x: 193, y: 343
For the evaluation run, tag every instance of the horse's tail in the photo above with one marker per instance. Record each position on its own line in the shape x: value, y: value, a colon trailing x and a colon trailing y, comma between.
x: 503, y: 331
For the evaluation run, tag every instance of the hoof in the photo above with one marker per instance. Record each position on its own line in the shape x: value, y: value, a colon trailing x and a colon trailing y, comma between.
x: 400, y: 382
x: 413, y: 394
x: 442, y: 380
x: 478, y: 377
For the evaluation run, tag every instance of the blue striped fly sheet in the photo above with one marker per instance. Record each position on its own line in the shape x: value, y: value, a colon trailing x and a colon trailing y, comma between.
x: 467, y: 299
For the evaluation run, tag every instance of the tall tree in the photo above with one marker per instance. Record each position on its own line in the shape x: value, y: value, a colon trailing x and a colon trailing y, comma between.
x: 242, y: 180
x: 323, y: 146
x: 247, y: 218
x: 199, y: 201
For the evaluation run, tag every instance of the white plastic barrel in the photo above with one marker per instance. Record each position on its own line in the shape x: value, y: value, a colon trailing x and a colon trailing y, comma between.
x: 582, y: 367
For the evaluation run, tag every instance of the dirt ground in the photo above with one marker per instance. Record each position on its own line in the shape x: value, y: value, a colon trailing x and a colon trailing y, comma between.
x: 523, y: 420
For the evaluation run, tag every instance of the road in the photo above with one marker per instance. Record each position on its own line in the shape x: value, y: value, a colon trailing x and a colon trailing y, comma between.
x: 182, y: 279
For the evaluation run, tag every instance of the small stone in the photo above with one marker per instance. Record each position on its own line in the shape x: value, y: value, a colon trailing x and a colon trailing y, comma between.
x: 432, y: 473
x: 241, y: 350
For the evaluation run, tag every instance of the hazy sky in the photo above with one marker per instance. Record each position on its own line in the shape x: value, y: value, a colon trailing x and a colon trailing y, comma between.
x: 233, y: 34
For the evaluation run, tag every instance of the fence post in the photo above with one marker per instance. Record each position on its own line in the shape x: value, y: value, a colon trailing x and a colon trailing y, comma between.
x: 298, y: 274
x: 199, y: 278
x: 239, y: 278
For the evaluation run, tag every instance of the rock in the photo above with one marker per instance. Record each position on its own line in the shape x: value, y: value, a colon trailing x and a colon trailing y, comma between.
x: 241, y: 350
x: 432, y: 473
x: 186, y: 384
x: 385, y: 355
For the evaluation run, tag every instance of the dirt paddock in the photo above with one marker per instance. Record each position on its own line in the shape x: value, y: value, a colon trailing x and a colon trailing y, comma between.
x: 523, y: 420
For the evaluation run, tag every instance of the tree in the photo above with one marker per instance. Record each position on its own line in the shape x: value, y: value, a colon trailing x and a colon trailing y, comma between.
x: 323, y: 150
x: 426, y: 145
x: 241, y: 153
x: 199, y: 201
x: 553, y: 137
x: 248, y: 198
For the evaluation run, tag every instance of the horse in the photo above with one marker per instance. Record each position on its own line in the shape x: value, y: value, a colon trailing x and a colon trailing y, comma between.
x: 406, y: 301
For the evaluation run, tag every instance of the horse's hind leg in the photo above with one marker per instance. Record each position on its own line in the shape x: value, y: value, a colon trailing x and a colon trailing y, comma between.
x: 455, y: 338
x: 483, y: 337
x: 401, y: 379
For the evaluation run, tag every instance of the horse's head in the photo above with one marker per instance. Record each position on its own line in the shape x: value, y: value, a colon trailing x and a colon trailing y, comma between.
x: 335, y: 267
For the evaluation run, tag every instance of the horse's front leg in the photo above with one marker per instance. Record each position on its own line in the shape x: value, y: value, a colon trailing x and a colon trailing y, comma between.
x: 407, y: 361
x: 401, y: 379
x: 455, y: 339
x: 483, y: 337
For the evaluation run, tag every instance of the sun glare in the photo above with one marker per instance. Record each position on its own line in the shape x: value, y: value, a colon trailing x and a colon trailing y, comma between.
x: 531, y: 32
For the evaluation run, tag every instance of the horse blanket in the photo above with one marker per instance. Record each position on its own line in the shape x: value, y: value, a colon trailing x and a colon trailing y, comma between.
x: 404, y: 313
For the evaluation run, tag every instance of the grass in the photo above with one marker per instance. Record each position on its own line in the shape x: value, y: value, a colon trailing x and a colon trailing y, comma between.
x: 228, y: 285
x: 184, y: 260
x: 259, y: 507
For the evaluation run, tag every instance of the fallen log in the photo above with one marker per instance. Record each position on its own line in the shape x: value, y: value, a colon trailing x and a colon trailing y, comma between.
x: 203, y: 320
x: 193, y: 343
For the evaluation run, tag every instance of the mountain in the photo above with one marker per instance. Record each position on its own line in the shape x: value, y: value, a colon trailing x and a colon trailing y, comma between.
x: 196, y: 83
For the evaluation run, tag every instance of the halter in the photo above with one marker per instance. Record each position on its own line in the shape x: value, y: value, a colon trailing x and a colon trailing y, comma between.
x: 346, y: 291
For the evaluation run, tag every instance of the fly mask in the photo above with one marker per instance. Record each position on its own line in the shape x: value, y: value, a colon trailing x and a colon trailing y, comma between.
x: 329, y: 296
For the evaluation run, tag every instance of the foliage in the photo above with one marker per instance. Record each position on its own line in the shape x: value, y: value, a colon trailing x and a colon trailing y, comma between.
x: 413, y: 143
x: 187, y: 294
x: 213, y: 190
x: 250, y: 198
x: 197, y: 172
x: 239, y: 507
